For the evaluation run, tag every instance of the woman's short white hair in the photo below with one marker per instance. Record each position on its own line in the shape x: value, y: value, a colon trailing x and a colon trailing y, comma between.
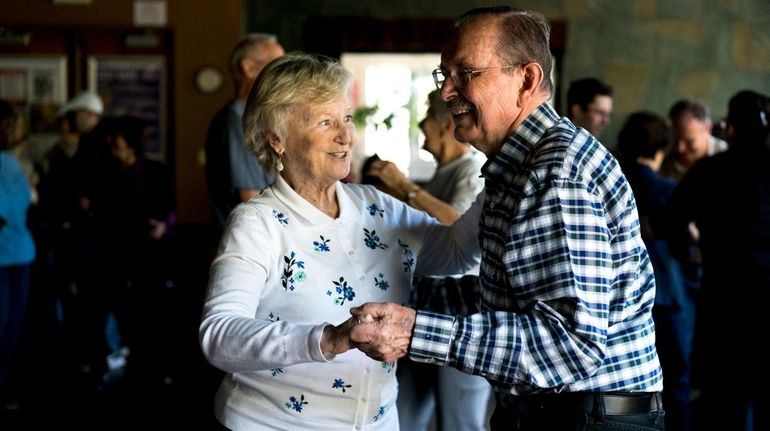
x: 286, y: 82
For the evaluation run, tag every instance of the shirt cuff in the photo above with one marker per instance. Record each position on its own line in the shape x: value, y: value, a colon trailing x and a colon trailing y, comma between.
x: 314, y: 344
x: 432, y: 338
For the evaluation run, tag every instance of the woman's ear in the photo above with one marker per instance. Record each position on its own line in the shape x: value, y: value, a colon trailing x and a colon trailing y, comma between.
x: 274, y: 141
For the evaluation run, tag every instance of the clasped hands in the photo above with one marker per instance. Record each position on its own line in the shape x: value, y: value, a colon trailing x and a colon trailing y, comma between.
x: 382, y: 331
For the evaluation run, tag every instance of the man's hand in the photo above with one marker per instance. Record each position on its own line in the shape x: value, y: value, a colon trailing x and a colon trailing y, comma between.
x: 385, y: 330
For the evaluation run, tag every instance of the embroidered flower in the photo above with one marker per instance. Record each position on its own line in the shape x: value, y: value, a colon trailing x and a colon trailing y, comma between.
x: 273, y: 317
x: 380, y: 413
x: 322, y: 245
x: 340, y: 384
x: 276, y: 372
x: 346, y: 292
x: 288, y: 278
x: 408, y: 261
x: 374, y: 210
x: 388, y: 366
x: 281, y: 217
x: 372, y: 240
x: 381, y: 283
x: 296, y: 404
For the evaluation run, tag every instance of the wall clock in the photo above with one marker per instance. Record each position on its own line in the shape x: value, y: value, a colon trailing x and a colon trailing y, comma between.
x: 209, y: 80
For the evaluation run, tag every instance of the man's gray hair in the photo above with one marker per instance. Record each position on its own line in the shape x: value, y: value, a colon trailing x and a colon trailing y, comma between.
x: 244, y: 47
x: 524, y: 37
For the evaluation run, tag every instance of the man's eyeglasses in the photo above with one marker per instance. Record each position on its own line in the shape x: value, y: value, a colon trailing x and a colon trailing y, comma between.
x: 461, y: 77
x: 605, y: 115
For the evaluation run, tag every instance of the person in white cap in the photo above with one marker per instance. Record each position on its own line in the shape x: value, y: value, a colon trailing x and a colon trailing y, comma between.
x: 72, y: 178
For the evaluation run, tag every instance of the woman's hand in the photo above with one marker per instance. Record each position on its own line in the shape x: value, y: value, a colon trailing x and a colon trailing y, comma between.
x: 336, y: 339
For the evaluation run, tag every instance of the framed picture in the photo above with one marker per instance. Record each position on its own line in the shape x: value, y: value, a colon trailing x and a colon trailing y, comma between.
x: 134, y: 85
x: 27, y: 80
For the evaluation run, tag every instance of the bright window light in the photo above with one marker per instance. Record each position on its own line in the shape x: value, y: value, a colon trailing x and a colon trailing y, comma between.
x: 393, y: 90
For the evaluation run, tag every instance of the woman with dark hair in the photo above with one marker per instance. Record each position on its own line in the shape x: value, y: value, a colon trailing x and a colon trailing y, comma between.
x: 728, y: 197
x: 642, y: 144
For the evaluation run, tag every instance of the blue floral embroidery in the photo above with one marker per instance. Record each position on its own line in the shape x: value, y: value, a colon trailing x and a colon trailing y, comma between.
x: 372, y: 240
x: 340, y: 384
x: 281, y: 217
x: 381, y: 283
x: 380, y: 413
x: 273, y: 317
x: 374, y: 210
x: 288, y: 278
x: 276, y: 371
x: 296, y: 404
x: 408, y: 256
x: 343, y: 289
x: 322, y: 245
x: 388, y: 366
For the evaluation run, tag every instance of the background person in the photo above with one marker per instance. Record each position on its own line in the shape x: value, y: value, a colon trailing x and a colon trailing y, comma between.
x: 459, y: 401
x: 728, y: 196
x: 233, y: 174
x: 589, y: 105
x: 17, y: 252
x: 642, y: 143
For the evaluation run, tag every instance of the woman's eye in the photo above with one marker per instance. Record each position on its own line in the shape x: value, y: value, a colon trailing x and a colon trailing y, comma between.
x: 325, y: 122
x: 348, y: 118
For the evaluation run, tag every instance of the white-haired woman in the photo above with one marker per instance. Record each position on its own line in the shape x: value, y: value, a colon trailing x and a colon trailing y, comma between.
x: 293, y: 261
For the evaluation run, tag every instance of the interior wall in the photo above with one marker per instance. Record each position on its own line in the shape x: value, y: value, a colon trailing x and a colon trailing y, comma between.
x: 652, y: 51
x: 203, y: 34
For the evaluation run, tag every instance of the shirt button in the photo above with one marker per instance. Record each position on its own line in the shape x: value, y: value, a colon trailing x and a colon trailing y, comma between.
x: 366, y: 370
x: 491, y: 204
x: 350, y: 253
x: 358, y: 427
x: 364, y: 399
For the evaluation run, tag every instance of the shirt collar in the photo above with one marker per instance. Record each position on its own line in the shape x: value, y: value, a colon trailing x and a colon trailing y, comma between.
x: 350, y: 210
x: 517, y: 146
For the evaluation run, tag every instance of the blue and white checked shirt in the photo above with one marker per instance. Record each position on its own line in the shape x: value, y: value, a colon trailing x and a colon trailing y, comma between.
x: 567, y: 287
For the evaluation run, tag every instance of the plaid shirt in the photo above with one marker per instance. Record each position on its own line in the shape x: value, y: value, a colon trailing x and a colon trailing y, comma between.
x: 567, y: 287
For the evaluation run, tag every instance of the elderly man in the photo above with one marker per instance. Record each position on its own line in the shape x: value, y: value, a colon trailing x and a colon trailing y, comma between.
x: 691, y: 128
x: 565, y: 331
x: 233, y: 174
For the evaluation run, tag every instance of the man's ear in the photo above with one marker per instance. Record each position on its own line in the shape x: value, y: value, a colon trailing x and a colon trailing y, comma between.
x: 575, y: 111
x: 447, y: 125
x: 533, y: 77
x: 249, y: 68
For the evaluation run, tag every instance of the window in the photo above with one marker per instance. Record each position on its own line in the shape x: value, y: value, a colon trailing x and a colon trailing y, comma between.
x: 393, y: 90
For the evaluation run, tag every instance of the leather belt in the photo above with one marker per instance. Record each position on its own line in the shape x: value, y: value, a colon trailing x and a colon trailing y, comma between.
x: 610, y: 403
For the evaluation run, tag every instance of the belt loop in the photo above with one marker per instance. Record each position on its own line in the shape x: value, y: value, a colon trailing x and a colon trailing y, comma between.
x: 599, y: 410
x: 658, y: 405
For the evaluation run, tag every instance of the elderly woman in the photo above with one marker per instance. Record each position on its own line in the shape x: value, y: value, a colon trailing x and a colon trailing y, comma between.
x: 293, y: 261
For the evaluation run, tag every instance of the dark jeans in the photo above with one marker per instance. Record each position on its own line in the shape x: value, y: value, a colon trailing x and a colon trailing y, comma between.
x: 14, y: 291
x: 516, y: 414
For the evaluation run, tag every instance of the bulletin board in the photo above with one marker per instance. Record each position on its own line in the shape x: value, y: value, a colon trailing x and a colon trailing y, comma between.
x: 134, y: 85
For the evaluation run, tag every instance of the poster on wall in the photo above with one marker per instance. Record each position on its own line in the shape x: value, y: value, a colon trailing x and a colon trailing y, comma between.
x: 134, y: 86
x: 36, y: 86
